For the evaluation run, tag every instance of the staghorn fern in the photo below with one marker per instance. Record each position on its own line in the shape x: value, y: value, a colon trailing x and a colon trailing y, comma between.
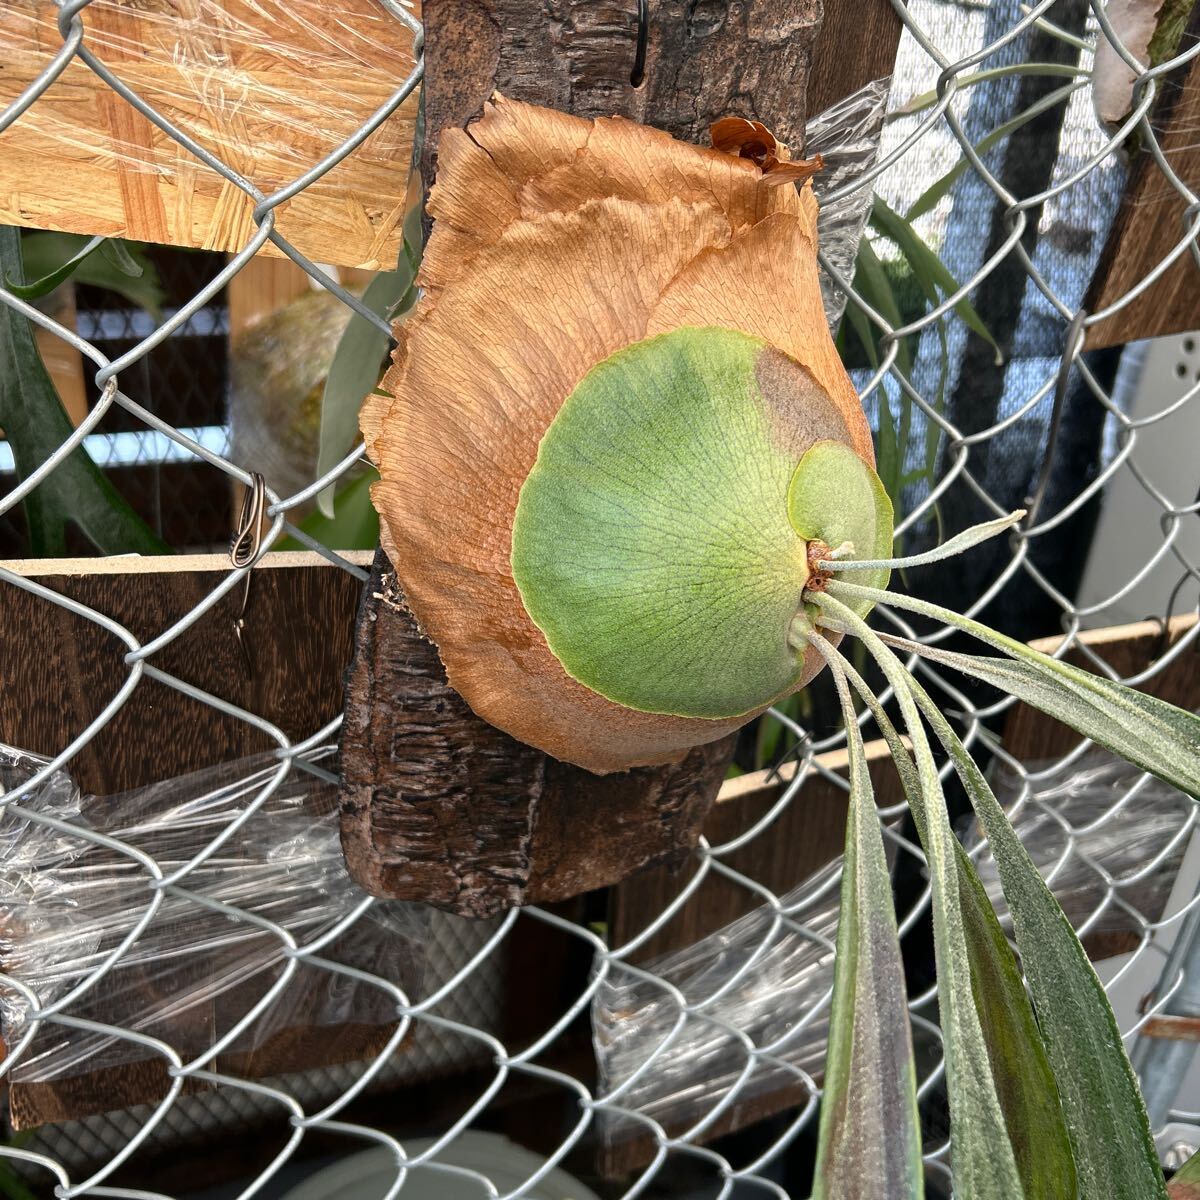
x: 630, y: 494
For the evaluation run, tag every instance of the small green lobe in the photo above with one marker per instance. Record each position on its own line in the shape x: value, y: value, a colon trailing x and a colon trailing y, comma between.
x: 835, y: 498
x: 651, y: 542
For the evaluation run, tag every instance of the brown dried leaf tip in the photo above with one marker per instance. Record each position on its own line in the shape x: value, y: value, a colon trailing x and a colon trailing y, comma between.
x: 754, y: 141
x: 557, y: 242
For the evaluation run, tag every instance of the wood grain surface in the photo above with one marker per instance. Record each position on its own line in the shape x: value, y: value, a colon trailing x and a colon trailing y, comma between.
x: 1151, y: 220
x: 61, y: 669
x: 269, y: 86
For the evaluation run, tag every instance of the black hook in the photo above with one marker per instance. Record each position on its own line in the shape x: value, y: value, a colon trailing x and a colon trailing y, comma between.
x: 643, y: 36
x: 244, y: 552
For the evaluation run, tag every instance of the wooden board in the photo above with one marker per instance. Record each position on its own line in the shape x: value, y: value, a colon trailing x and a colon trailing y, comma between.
x: 857, y: 45
x: 60, y: 669
x: 237, y: 76
x: 1151, y: 221
x: 809, y: 833
x: 269, y: 86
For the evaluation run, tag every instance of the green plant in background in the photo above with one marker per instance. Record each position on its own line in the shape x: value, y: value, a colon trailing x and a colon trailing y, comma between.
x: 32, y: 416
x: 347, y: 516
x: 11, y: 1184
x: 52, y: 259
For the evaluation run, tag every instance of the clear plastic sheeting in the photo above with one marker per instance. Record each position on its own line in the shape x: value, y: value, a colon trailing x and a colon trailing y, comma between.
x: 199, y: 962
x: 744, y: 1012
x: 1107, y: 837
x: 738, y: 1014
x: 847, y: 136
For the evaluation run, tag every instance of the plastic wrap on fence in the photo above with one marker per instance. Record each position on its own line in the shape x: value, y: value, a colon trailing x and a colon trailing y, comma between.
x: 270, y: 88
x: 760, y: 982
x: 847, y: 136
x: 1108, y: 838
x: 196, y: 967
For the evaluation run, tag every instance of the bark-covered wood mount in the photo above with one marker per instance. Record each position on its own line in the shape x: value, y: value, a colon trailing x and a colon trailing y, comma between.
x: 472, y: 820
x: 438, y: 805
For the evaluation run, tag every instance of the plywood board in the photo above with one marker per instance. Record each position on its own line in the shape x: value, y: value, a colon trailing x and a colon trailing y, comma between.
x: 269, y: 86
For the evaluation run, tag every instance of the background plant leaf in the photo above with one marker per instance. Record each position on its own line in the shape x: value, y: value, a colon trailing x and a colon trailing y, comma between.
x: 118, y: 255
x: 354, y: 525
x: 928, y: 199
x: 355, y: 370
x: 358, y: 361
x: 933, y: 276
x: 44, y: 284
x: 46, y: 252
x: 929, y: 99
x: 35, y: 425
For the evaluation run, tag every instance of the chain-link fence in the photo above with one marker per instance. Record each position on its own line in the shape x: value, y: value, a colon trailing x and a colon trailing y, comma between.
x: 687, y: 1043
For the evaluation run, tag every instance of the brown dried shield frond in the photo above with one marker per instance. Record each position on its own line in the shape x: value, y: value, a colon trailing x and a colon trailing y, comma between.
x: 591, y: 424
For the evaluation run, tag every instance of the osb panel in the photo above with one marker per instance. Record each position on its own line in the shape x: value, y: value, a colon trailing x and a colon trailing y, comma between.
x: 269, y: 86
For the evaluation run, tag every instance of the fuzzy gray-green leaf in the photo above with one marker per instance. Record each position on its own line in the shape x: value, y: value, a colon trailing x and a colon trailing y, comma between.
x: 985, y: 1165
x: 869, y: 1144
x: 1024, y: 1081
x: 355, y: 370
x: 1106, y: 1118
x: 1146, y: 731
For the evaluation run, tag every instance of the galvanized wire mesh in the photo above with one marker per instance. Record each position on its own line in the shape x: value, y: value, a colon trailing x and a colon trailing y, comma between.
x: 944, y: 46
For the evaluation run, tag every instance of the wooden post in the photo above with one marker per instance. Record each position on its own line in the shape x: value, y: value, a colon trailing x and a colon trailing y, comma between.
x: 438, y: 805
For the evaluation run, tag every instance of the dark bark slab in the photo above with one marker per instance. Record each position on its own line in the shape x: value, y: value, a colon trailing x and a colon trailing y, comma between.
x: 437, y: 805
x: 442, y: 807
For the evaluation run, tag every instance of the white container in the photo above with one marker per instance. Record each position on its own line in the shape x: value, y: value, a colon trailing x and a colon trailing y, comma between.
x: 372, y: 1174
